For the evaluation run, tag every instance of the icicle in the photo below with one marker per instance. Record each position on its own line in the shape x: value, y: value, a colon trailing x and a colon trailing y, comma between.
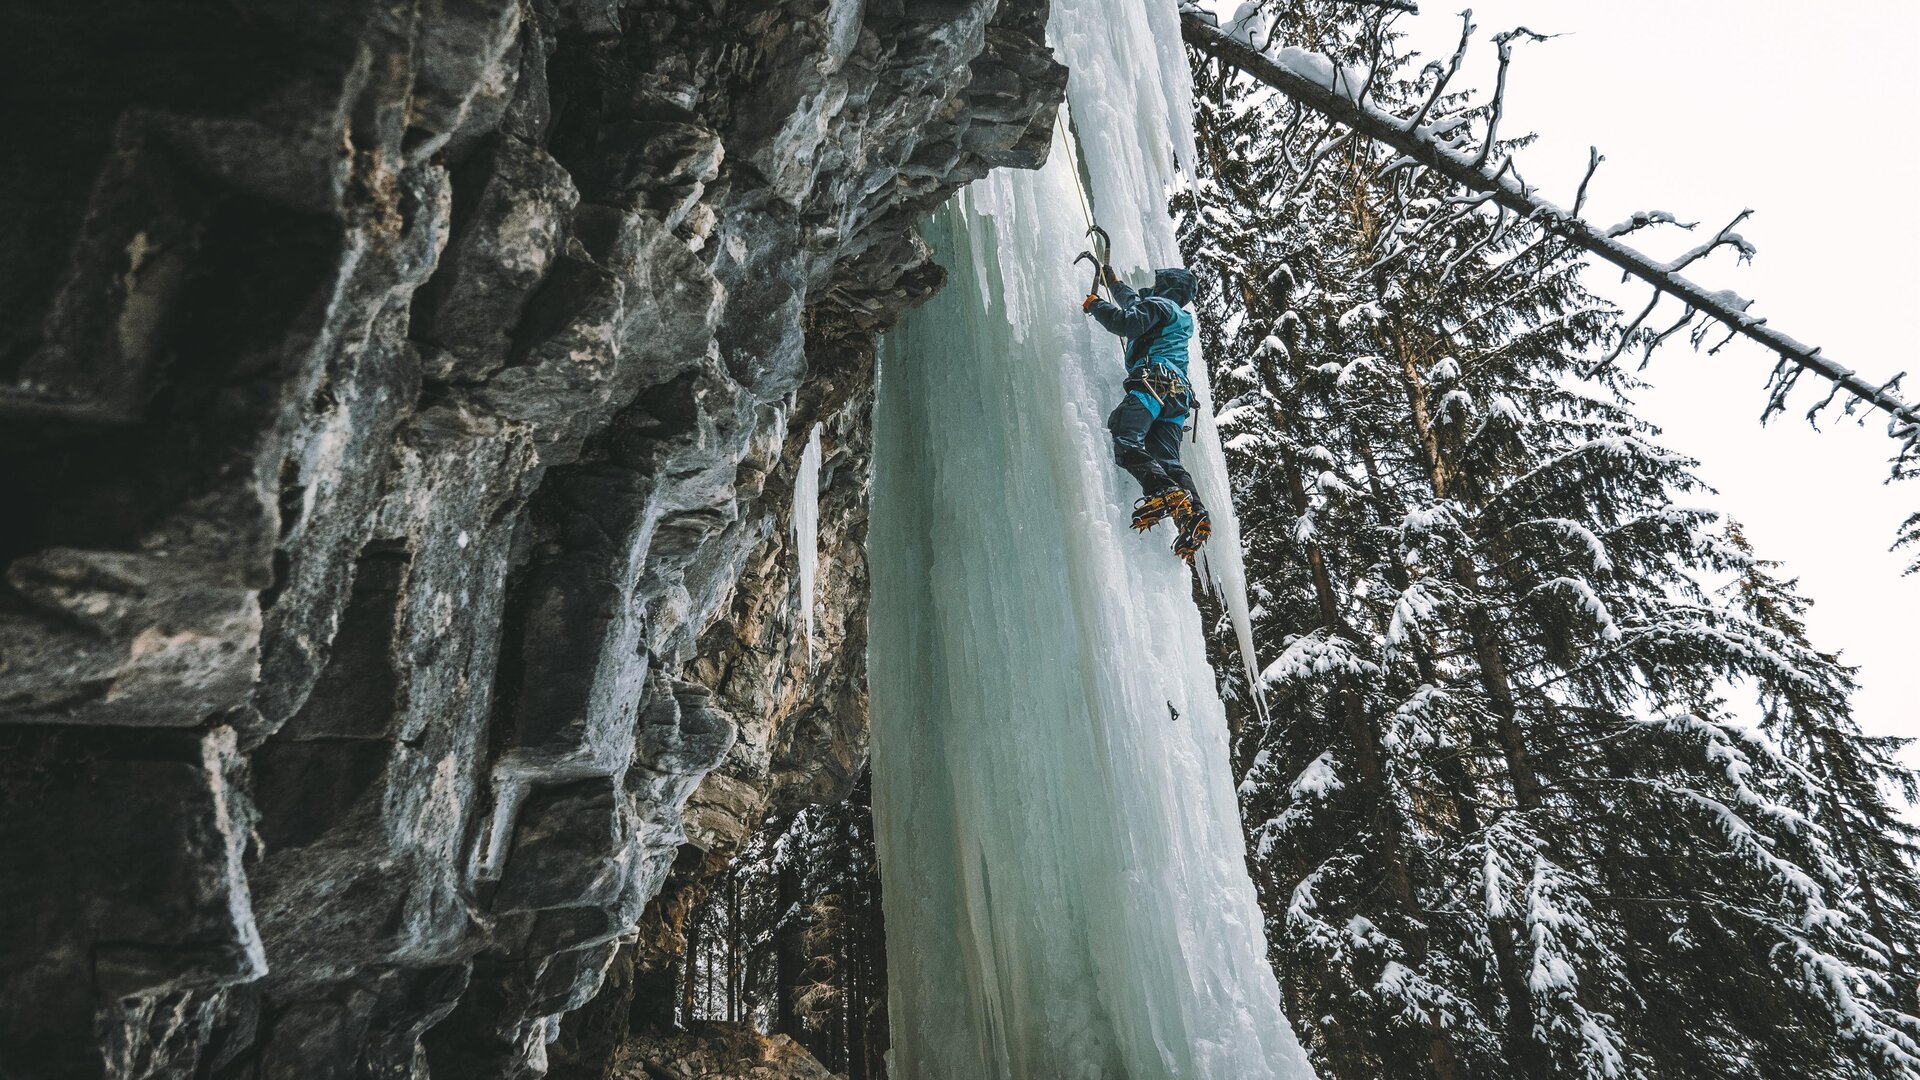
x: 1066, y: 886
x: 806, y: 531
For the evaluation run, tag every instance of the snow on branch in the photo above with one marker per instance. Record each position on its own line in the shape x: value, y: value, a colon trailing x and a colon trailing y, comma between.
x: 1318, y: 85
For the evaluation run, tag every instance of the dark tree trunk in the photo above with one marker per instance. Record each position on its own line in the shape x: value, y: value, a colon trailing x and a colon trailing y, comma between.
x: 789, y: 955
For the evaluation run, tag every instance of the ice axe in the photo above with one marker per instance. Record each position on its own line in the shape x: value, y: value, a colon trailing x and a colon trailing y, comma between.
x: 1102, y: 248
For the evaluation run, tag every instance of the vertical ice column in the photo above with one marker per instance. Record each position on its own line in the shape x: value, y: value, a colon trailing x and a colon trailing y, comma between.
x: 1066, y: 889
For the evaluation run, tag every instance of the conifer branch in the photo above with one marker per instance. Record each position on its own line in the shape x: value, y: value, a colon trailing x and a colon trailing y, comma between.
x: 1327, y: 92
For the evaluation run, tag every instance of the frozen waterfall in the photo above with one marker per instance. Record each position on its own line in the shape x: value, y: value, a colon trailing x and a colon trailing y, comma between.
x: 1065, y: 886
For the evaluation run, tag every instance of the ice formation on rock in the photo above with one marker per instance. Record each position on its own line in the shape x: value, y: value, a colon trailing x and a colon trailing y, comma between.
x: 1066, y: 890
x: 806, y: 530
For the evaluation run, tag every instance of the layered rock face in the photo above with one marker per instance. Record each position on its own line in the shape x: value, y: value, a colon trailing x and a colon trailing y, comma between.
x: 399, y: 406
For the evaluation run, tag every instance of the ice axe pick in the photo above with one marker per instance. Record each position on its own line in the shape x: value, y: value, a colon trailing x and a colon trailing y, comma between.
x: 1098, y: 256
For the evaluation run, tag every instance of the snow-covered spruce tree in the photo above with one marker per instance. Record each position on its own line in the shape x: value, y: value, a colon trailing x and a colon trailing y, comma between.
x: 1504, y: 822
x: 1852, y: 774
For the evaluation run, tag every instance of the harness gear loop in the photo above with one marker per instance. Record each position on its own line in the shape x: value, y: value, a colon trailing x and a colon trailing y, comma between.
x: 1162, y: 383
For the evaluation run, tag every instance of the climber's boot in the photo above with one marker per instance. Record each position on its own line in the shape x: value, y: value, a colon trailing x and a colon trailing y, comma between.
x: 1195, y: 528
x: 1151, y: 510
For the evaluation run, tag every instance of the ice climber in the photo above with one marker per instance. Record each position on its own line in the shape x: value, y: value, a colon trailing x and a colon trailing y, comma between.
x: 1149, y: 422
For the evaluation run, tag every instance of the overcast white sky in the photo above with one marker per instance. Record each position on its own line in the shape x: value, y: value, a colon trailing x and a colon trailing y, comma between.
x: 1707, y: 107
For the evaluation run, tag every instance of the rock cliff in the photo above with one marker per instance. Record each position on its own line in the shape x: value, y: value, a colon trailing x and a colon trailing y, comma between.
x: 399, y: 404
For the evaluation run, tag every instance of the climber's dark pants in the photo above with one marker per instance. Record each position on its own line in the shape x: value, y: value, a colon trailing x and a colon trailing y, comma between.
x: 1146, y: 442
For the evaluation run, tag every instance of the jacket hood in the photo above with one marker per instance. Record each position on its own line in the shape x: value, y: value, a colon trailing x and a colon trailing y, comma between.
x: 1177, y: 285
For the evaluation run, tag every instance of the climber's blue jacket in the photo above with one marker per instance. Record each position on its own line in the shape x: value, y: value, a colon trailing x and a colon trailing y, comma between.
x: 1140, y: 313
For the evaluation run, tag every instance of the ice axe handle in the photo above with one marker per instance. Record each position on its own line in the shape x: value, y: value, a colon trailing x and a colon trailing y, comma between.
x: 1100, y: 256
x: 1098, y: 277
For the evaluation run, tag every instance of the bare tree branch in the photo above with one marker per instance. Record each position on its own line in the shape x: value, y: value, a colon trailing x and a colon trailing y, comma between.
x: 1626, y: 336
x: 1645, y: 219
x: 1504, y: 42
x: 1377, y: 48
x: 1594, y: 158
x: 1726, y: 237
x: 1444, y: 75
x: 1310, y: 86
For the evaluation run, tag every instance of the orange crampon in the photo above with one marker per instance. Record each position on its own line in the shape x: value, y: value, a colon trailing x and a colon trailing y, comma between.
x: 1195, y: 529
x: 1153, y: 509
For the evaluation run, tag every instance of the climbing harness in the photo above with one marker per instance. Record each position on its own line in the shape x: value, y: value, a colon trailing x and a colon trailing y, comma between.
x: 1162, y: 383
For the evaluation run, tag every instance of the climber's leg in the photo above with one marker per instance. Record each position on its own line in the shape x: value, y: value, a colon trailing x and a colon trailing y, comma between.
x: 1163, y: 445
x: 1130, y: 424
x: 1190, y: 515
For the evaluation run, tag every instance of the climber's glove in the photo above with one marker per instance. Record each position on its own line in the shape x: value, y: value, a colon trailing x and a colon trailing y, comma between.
x: 1092, y: 299
x: 1107, y: 274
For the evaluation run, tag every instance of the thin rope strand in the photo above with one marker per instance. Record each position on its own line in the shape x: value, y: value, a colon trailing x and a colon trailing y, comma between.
x: 1073, y: 160
x: 1086, y: 202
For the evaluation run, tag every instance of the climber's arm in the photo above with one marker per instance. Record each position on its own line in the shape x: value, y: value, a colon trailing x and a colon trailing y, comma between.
x: 1127, y: 317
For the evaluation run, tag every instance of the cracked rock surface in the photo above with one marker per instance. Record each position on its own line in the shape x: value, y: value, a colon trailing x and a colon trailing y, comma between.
x: 400, y: 402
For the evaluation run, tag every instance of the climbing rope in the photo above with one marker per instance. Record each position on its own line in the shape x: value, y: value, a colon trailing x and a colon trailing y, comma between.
x: 1102, y: 246
x: 1073, y: 159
